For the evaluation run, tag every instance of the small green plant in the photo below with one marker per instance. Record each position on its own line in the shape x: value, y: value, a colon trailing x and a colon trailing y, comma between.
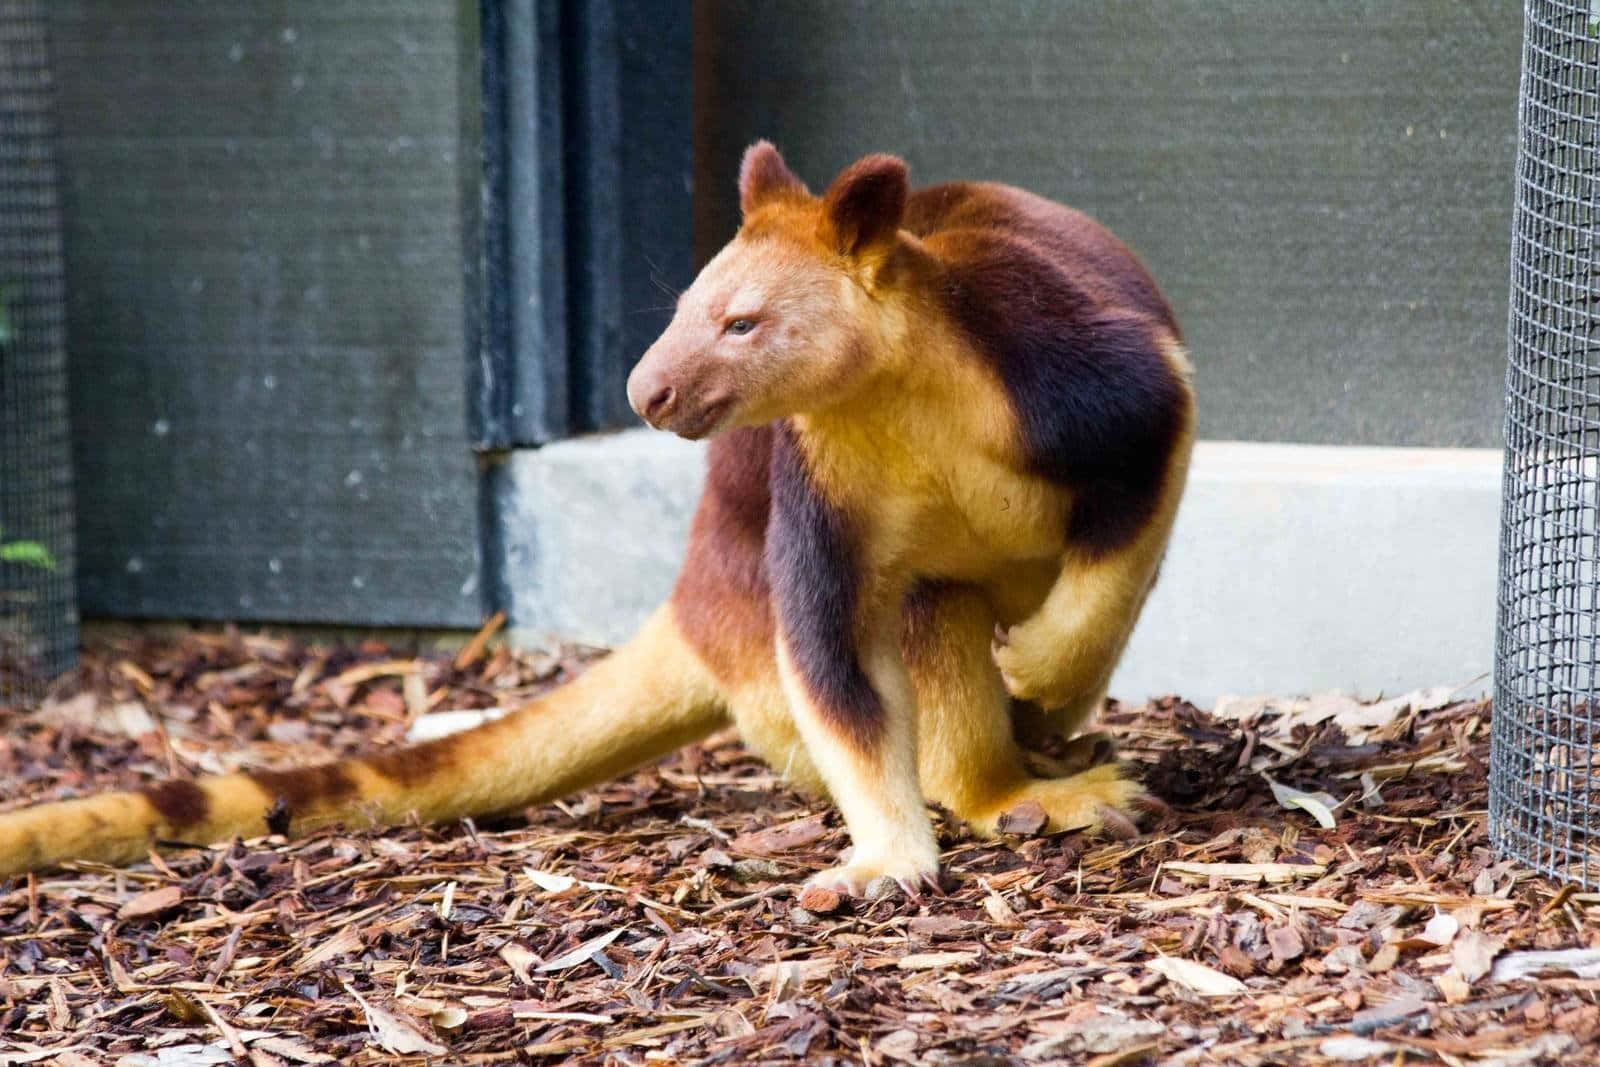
x: 26, y: 553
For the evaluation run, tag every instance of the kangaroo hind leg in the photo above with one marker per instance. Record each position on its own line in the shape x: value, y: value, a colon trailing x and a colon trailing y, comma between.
x: 968, y: 757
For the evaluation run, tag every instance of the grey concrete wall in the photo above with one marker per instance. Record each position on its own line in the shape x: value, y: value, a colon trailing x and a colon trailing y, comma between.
x: 594, y: 531
x: 263, y: 241
x: 1299, y: 569
x: 1324, y: 190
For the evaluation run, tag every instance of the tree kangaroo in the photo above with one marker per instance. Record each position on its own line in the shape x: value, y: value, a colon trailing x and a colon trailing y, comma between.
x: 951, y: 430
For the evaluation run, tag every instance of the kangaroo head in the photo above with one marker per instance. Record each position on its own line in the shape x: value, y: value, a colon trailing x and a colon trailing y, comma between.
x: 784, y: 319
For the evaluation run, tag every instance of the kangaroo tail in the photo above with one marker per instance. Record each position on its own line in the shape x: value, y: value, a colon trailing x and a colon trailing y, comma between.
x: 646, y: 699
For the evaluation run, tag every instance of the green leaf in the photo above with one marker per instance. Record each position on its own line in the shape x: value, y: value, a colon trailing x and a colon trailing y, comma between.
x: 28, y: 553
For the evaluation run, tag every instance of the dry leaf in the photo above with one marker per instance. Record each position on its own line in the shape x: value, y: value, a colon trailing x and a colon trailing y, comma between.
x: 1473, y: 954
x: 119, y: 977
x: 1320, y: 806
x: 1247, y: 872
x: 1358, y: 720
x: 1385, y: 958
x: 437, y: 724
x: 1441, y: 929
x: 22, y: 1054
x: 290, y: 1049
x: 1285, y: 942
x: 344, y: 943
x: 936, y: 961
x: 943, y: 927
x: 186, y: 1055
x: 1439, y: 932
x: 796, y: 973
x: 1230, y: 706
x: 1207, y: 981
x: 366, y: 672
x: 1235, y: 962
x: 1455, y: 988
x: 78, y: 712
x: 1127, y: 1056
x: 899, y: 1045
x: 1351, y: 1049
x: 133, y: 719
x: 1001, y: 912
x: 1096, y: 1030
x: 582, y: 954
x: 185, y: 1009
x: 392, y: 1032
x: 783, y: 838
x: 520, y: 959
x: 1578, y: 962
x: 153, y: 902
x: 1387, y: 1013
x: 451, y: 1018
x: 550, y: 883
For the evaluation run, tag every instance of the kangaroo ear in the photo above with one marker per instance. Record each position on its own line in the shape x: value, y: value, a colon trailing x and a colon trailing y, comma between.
x: 763, y: 174
x: 865, y: 203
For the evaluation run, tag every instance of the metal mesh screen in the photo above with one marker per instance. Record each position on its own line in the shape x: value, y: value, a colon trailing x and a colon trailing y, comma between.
x: 1544, y: 785
x: 38, y: 615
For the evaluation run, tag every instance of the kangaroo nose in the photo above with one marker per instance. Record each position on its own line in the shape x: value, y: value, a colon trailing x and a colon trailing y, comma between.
x: 660, y: 404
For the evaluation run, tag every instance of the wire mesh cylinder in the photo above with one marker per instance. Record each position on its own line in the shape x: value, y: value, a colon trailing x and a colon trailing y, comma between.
x: 1544, y: 782
x: 38, y: 612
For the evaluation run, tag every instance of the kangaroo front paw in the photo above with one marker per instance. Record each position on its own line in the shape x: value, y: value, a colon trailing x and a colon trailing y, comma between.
x: 1029, y: 666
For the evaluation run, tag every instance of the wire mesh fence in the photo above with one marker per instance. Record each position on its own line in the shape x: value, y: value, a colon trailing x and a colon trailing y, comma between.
x: 1544, y: 783
x: 38, y: 613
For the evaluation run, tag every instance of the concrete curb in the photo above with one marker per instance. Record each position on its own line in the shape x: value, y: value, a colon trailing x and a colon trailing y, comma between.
x: 1294, y: 568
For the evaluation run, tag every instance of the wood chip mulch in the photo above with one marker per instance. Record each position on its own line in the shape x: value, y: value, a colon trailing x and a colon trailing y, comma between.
x: 658, y: 920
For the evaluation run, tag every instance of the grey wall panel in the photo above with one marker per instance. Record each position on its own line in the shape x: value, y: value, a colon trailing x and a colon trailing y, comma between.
x: 1323, y: 190
x: 265, y: 309
x: 516, y: 236
x: 586, y: 210
x: 629, y: 185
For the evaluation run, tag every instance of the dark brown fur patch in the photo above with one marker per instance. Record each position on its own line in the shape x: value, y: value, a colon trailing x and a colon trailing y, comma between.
x: 814, y: 589
x: 1102, y: 268
x: 413, y: 764
x: 179, y: 803
x: 722, y: 602
x: 300, y: 788
x: 1072, y: 324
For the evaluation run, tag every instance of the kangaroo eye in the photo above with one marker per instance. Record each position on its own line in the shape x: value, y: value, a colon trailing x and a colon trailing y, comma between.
x: 740, y: 326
